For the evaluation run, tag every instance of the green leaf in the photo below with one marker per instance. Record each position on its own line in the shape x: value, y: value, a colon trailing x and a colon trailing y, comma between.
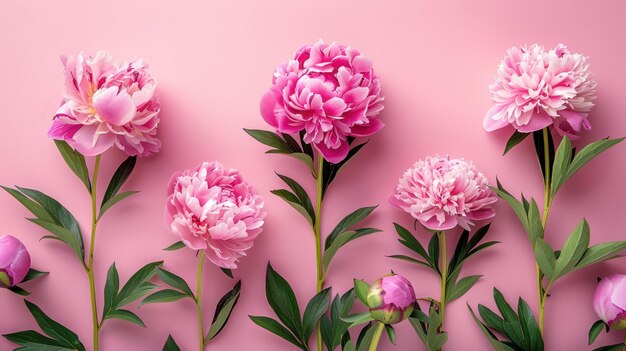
x: 170, y: 345
x: 33, y: 274
x: 337, y: 328
x: 342, y: 239
x: 114, y: 200
x: 63, y: 235
x: 495, y: 343
x: 461, y: 287
x: 125, y: 316
x: 274, y: 327
x: 361, y: 288
x: 118, y: 179
x: 294, y: 202
x: 510, y: 324
x: 111, y: 287
x: 19, y: 291
x: 32, y: 341
x: 32, y: 206
x: 562, y: 161
x: 601, y: 252
x: 391, y: 333
x: 283, y: 301
x: 573, y: 250
x: 76, y: 161
x: 529, y: 326
x: 538, y: 138
x: 304, y: 158
x: 433, y: 252
x: 347, y: 222
x: 365, y: 337
x: 514, y: 140
x: 53, y: 329
x: 301, y: 194
x: 515, y: 205
x: 410, y: 259
x: 223, y: 311
x: 175, y: 246
x: 165, y: 295
x: 588, y: 153
x: 357, y: 319
x: 137, y: 285
x: 314, y: 311
x: 535, y: 228
x: 268, y: 138
x: 174, y: 281
x: 616, y: 347
x: 408, y: 240
x: 544, y: 254
x: 228, y: 272
x: 595, y: 330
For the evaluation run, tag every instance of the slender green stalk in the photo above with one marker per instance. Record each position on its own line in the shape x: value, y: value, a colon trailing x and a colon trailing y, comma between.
x: 547, y: 203
x: 624, y: 343
x: 377, y: 334
x: 444, y: 277
x: 92, y: 249
x: 318, y: 236
x: 199, y: 298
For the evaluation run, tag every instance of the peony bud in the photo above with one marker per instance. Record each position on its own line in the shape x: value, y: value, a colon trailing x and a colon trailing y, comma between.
x: 391, y: 299
x: 609, y: 301
x: 14, y: 261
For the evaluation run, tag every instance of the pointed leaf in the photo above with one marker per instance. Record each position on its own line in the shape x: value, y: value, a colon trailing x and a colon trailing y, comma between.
x: 495, y: 343
x: 118, y: 179
x: 514, y: 140
x: 408, y: 240
x: 461, y: 287
x: 540, y: 148
x: 223, y: 311
x: 283, y: 301
x: 357, y: 319
x: 573, y: 249
x: 63, y: 235
x: 114, y: 200
x: 616, y: 347
x: 601, y: 252
x: 76, y: 161
x: 137, y: 285
x: 517, y: 206
x: 111, y: 288
x: 174, y: 281
x: 170, y: 345
x: 391, y: 333
x: 33, y: 274
x: 544, y: 254
x: 301, y: 194
x: 529, y: 326
x: 331, y: 170
x: 314, y: 311
x: 32, y: 206
x: 126, y: 316
x: 341, y: 240
x: 562, y: 161
x: 175, y: 246
x: 274, y: 327
x: 54, y: 329
x: 595, y: 330
x: 294, y: 202
x: 32, y: 340
x: 347, y: 222
x: 165, y: 295
x: 361, y: 288
x: 268, y: 138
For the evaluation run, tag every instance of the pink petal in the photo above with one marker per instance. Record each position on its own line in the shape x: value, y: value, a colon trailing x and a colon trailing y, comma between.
x: 334, y: 155
x: 88, y: 143
x: 356, y: 95
x: 268, y: 107
x: 538, y: 121
x: 362, y: 130
x: 114, y: 106
x: 495, y: 119
x: 335, y: 107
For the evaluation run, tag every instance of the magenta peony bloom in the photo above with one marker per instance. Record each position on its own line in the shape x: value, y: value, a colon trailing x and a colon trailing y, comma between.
x: 442, y: 193
x: 536, y: 88
x: 391, y: 299
x: 213, y: 209
x: 14, y: 261
x: 328, y: 90
x: 107, y: 104
x: 609, y: 301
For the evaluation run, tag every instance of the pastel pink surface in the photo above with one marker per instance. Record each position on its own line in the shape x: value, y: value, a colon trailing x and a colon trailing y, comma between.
x: 214, y: 61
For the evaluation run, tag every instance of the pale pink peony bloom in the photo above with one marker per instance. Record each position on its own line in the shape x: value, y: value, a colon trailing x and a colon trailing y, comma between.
x: 331, y: 92
x: 609, y: 301
x: 14, y: 261
x: 214, y: 209
x: 536, y: 89
x: 442, y: 193
x: 107, y: 104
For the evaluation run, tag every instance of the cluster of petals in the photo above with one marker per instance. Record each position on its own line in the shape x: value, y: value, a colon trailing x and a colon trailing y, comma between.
x: 330, y: 92
x: 537, y: 88
x: 213, y: 209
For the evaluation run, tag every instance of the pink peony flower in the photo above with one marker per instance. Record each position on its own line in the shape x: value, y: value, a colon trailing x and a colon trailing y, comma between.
x: 328, y: 90
x: 14, y: 261
x: 105, y: 105
x: 536, y: 89
x: 213, y: 209
x: 609, y: 301
x: 442, y: 193
x: 391, y: 299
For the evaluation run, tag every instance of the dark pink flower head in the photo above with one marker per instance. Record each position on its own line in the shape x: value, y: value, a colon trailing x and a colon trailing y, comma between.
x: 609, y: 301
x: 107, y: 105
x: 331, y: 92
x: 14, y: 261
x: 214, y: 209
x: 442, y: 193
x: 535, y: 89
x: 391, y: 299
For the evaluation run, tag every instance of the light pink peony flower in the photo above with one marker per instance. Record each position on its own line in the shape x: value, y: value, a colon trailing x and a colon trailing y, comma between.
x: 14, y: 261
x: 442, y: 193
x: 536, y: 88
x: 609, y: 301
x: 105, y: 105
x: 331, y: 92
x: 391, y: 299
x: 213, y: 209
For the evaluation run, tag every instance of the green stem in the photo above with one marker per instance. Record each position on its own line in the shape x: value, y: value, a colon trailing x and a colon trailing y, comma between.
x: 318, y: 236
x: 92, y: 249
x: 377, y: 334
x: 547, y: 203
x: 444, y: 277
x: 199, y: 298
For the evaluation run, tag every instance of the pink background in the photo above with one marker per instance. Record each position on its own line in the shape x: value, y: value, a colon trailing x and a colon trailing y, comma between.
x: 214, y: 61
